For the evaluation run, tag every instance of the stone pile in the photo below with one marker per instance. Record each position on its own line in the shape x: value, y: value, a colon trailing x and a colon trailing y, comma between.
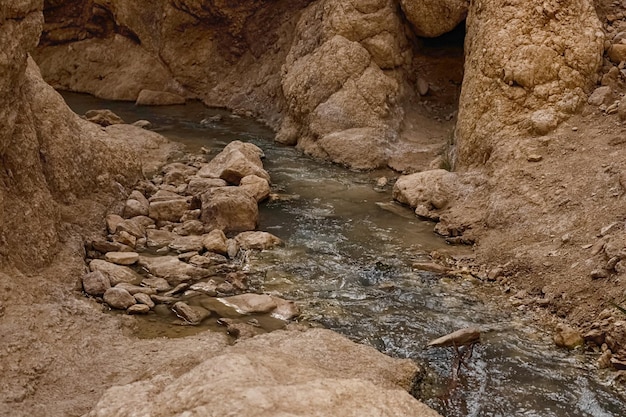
x: 182, y: 233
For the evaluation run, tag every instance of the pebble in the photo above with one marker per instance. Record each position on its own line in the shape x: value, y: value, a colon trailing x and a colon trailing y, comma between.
x: 598, y: 274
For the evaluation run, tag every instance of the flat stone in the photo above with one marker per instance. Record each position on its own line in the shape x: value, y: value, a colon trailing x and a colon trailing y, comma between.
x: 122, y: 258
x: 136, y: 289
x: 125, y: 238
x: 104, y: 246
x: 159, y: 284
x: 172, y: 269
x: 119, y: 298
x: 157, y: 238
x: 187, y: 244
x: 599, y: 274
x: 180, y: 288
x: 534, y: 158
x: 162, y: 299
x: 208, y: 288
x: 250, y: 303
x: 138, y: 309
x: 96, y: 283
x: 103, y: 117
x: 143, y: 298
x: 215, y: 241
x: 116, y: 273
x: 199, y: 185
x: 205, y: 261
x: 165, y: 195
x: 257, y: 240
x: 190, y: 227
x: 191, y: 314
x: 431, y: 267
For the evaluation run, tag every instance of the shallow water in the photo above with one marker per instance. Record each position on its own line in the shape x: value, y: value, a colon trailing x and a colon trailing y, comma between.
x: 347, y: 263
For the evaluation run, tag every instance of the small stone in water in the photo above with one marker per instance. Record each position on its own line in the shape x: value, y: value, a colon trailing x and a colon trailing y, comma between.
x: 138, y: 309
x: 191, y: 314
x: 143, y: 298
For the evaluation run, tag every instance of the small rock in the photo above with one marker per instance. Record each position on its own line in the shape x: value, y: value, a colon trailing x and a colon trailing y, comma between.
x: 144, y: 124
x: 596, y: 336
x: 170, y: 210
x: 238, y: 280
x: 177, y: 290
x: 191, y: 314
x: 205, y: 261
x: 190, y: 227
x: 225, y: 288
x: 612, y: 263
x: 598, y: 247
x: 125, y: 238
x: 568, y: 337
x: 544, y: 121
x: 495, y: 273
x: 609, y: 228
x: 239, y: 330
x: 460, y: 337
x: 285, y: 309
x: 604, y: 360
x: 534, y: 158
x: 422, y: 86
x: 199, y: 185
x: 96, y: 283
x: 143, y: 298
x: 187, y: 244
x: 136, y: 289
x: 599, y: 274
x: 113, y: 220
x: 232, y: 248
x: 617, y: 53
x: 215, y: 241
x: 122, y: 258
x: 104, y: 117
x: 382, y: 182
x: 209, y: 288
x: 119, y: 298
x: 229, y: 209
x: 250, y: 303
x: 138, y: 309
x: 618, y: 364
x: 601, y: 95
x: 159, y: 284
x: 159, y: 238
x: 257, y: 187
x: 161, y: 299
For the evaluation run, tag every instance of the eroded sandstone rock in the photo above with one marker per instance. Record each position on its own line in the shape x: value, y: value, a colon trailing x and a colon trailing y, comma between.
x: 229, y: 209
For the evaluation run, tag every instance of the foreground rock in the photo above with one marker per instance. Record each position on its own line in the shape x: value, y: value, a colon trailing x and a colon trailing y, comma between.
x: 314, y: 373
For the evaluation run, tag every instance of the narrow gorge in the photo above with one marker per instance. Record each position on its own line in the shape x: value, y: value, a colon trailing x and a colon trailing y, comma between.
x: 497, y: 128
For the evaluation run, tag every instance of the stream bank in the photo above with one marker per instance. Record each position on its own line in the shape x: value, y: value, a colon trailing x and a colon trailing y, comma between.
x: 349, y: 267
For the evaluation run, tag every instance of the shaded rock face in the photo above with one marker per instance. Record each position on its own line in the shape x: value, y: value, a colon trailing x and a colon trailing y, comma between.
x: 52, y: 161
x: 536, y: 64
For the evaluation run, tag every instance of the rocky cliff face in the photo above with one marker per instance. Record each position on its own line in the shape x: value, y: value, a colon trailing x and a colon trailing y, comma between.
x: 51, y: 159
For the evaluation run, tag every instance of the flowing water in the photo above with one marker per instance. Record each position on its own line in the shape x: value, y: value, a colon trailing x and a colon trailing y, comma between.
x: 347, y: 262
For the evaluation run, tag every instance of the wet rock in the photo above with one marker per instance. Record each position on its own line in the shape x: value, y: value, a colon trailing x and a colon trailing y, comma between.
x: 186, y: 256
x: 238, y: 280
x: 431, y: 267
x: 257, y: 240
x: 595, y: 336
x: 179, y: 289
x: 433, y: 189
x: 215, y: 241
x: 169, y: 210
x: 229, y: 209
x: 568, y: 337
x: 191, y: 314
x: 285, y: 309
x: 208, y: 288
x: 356, y: 148
x: 172, y: 269
x: 225, y: 288
x: 159, y: 238
x: 257, y: 187
x: 187, y: 244
x: 162, y: 299
x: 190, y: 227
x: 103, y: 117
x: 119, y: 298
x: 138, y: 309
x: 144, y: 124
x: 96, y: 283
x: 143, y: 298
x: 122, y: 258
x: 199, y: 185
x: 460, y: 337
x: 239, y: 330
x: 158, y: 98
x: 136, y: 289
x: 116, y: 273
x: 250, y: 303
x: 159, y: 284
x: 236, y: 161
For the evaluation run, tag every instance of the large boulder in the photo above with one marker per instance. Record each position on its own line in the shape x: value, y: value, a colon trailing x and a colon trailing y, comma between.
x: 312, y: 373
x: 229, y: 209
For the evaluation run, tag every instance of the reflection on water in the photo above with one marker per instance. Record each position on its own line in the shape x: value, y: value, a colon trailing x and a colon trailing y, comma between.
x: 347, y: 262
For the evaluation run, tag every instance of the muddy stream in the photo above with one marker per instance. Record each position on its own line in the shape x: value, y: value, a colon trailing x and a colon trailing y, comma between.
x: 347, y: 263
